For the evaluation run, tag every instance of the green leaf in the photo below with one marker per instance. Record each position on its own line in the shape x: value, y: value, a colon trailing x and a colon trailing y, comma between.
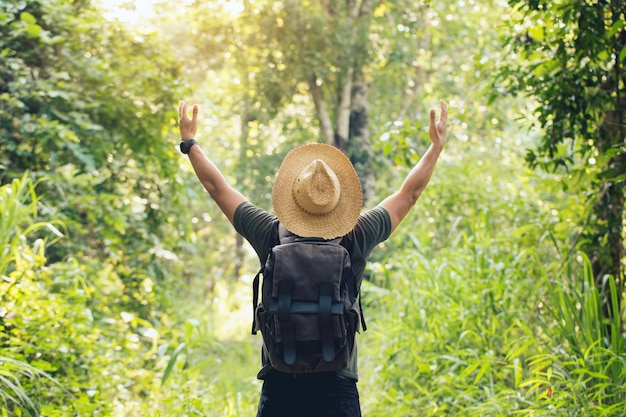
x: 536, y: 32
x: 616, y: 27
x: 33, y: 31
x: 172, y: 362
x: 523, y: 230
x: 43, y: 365
x: 622, y: 55
x: 28, y: 18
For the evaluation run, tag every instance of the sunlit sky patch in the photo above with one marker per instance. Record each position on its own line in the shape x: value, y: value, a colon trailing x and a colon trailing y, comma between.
x: 131, y: 12
x: 136, y: 12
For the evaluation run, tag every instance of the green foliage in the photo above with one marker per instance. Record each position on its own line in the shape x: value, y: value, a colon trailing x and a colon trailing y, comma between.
x: 571, y: 63
x: 426, y: 51
x: 17, y: 206
x: 12, y: 394
x: 84, y: 105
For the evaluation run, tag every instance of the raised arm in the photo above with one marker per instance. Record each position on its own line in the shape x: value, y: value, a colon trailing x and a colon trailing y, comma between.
x: 399, y: 203
x: 226, y: 197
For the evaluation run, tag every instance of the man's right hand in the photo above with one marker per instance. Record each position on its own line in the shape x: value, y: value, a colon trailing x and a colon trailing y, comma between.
x: 437, y: 131
x: 188, y: 127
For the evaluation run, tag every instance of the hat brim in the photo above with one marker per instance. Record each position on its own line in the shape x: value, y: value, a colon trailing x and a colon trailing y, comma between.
x: 337, y: 222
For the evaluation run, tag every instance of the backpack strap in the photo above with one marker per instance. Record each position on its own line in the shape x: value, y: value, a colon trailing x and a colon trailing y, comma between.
x: 288, y: 328
x: 363, y: 326
x: 255, y: 297
x: 357, y: 293
x: 276, y: 240
x: 284, y: 235
x: 325, y: 322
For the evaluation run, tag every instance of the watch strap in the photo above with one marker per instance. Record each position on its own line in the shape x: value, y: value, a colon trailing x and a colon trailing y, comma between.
x: 185, y: 145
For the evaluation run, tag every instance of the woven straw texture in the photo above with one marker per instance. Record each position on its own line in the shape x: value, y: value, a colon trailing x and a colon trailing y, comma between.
x: 337, y: 222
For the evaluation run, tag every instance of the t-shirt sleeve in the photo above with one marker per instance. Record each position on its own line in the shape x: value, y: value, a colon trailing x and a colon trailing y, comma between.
x: 373, y: 227
x: 256, y: 226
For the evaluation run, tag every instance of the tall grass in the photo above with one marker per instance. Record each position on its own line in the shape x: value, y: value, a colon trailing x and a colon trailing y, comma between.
x: 18, y: 208
x: 583, y: 358
x: 481, y: 330
x: 446, y: 330
x: 15, y: 398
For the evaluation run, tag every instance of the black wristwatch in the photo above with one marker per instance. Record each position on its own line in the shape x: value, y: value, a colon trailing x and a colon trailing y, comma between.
x: 186, y: 145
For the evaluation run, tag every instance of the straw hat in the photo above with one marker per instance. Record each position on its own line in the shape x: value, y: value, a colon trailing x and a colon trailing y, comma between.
x: 317, y: 192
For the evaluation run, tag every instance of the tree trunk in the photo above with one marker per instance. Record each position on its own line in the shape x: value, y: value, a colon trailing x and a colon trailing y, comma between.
x: 342, y: 131
x: 360, y: 144
x: 326, y: 124
x: 351, y: 113
x: 606, y: 247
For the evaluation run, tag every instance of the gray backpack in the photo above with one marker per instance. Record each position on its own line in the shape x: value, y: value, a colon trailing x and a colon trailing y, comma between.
x: 310, y: 308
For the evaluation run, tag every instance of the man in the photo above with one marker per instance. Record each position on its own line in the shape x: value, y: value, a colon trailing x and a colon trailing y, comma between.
x: 316, y: 194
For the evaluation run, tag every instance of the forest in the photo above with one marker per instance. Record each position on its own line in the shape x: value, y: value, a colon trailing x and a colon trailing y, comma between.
x: 124, y: 291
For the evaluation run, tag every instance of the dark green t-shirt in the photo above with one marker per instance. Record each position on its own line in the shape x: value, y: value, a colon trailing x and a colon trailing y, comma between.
x: 260, y: 228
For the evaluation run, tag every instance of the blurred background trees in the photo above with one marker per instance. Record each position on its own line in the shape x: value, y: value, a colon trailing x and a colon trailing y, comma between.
x: 124, y: 291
